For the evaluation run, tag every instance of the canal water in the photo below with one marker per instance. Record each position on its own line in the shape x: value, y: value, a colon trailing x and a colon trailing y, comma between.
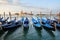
x: 29, y: 34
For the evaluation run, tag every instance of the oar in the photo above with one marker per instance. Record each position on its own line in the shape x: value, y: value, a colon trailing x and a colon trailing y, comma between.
x: 54, y: 26
x: 41, y: 17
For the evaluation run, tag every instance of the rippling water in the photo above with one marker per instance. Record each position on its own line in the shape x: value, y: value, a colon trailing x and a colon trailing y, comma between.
x: 29, y: 34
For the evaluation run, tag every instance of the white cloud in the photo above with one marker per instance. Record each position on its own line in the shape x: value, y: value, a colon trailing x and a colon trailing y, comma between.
x: 15, y: 1
x: 9, y: 1
x: 3, y: 1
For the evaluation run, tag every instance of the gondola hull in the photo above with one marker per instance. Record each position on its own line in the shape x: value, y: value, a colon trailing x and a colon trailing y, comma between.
x: 26, y: 23
x: 36, y: 23
x: 26, y: 26
x: 37, y: 26
x: 48, y: 27
x: 11, y: 26
x: 58, y: 26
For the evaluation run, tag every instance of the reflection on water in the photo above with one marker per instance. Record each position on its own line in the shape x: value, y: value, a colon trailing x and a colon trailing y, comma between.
x: 39, y: 33
x: 51, y: 33
x: 30, y: 34
x: 10, y: 32
x: 25, y: 31
x: 2, y: 37
x: 1, y: 33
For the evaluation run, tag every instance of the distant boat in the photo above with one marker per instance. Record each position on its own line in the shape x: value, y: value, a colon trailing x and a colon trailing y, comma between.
x: 36, y: 23
x: 26, y: 23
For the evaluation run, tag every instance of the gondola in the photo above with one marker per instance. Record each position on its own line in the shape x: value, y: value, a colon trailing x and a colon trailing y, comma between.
x: 57, y: 24
x: 48, y: 25
x: 36, y: 23
x: 26, y: 23
x: 55, y: 21
x: 3, y: 21
x: 12, y: 24
x: 1, y: 18
x: 44, y: 20
x: 22, y: 19
x: 34, y: 20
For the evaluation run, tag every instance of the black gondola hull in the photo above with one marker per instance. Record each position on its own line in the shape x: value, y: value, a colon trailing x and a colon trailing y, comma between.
x: 40, y: 28
x: 52, y: 29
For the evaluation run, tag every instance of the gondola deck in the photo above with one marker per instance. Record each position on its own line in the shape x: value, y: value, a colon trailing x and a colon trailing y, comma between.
x: 36, y: 23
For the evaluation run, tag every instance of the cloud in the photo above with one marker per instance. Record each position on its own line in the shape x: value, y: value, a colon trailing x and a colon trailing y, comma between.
x: 15, y: 1
x: 9, y: 1
x: 3, y: 1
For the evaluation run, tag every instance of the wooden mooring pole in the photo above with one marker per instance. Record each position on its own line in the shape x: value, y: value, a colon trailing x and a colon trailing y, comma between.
x: 41, y: 17
x: 10, y: 15
x: 0, y: 15
x: 4, y: 15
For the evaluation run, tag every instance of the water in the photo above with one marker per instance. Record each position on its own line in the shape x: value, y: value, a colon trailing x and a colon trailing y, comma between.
x: 29, y: 34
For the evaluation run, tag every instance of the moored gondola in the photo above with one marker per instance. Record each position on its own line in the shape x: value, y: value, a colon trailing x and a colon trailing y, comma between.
x: 3, y: 21
x: 26, y: 23
x: 12, y: 24
x: 36, y: 23
x: 22, y: 19
x: 44, y: 20
x: 48, y: 27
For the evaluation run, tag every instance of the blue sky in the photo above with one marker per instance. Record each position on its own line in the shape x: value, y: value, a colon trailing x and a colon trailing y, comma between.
x: 41, y: 3
x: 54, y: 4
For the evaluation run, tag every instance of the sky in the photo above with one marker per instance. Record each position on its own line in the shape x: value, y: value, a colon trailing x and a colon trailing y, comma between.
x: 43, y: 3
x: 37, y: 3
x: 50, y: 4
